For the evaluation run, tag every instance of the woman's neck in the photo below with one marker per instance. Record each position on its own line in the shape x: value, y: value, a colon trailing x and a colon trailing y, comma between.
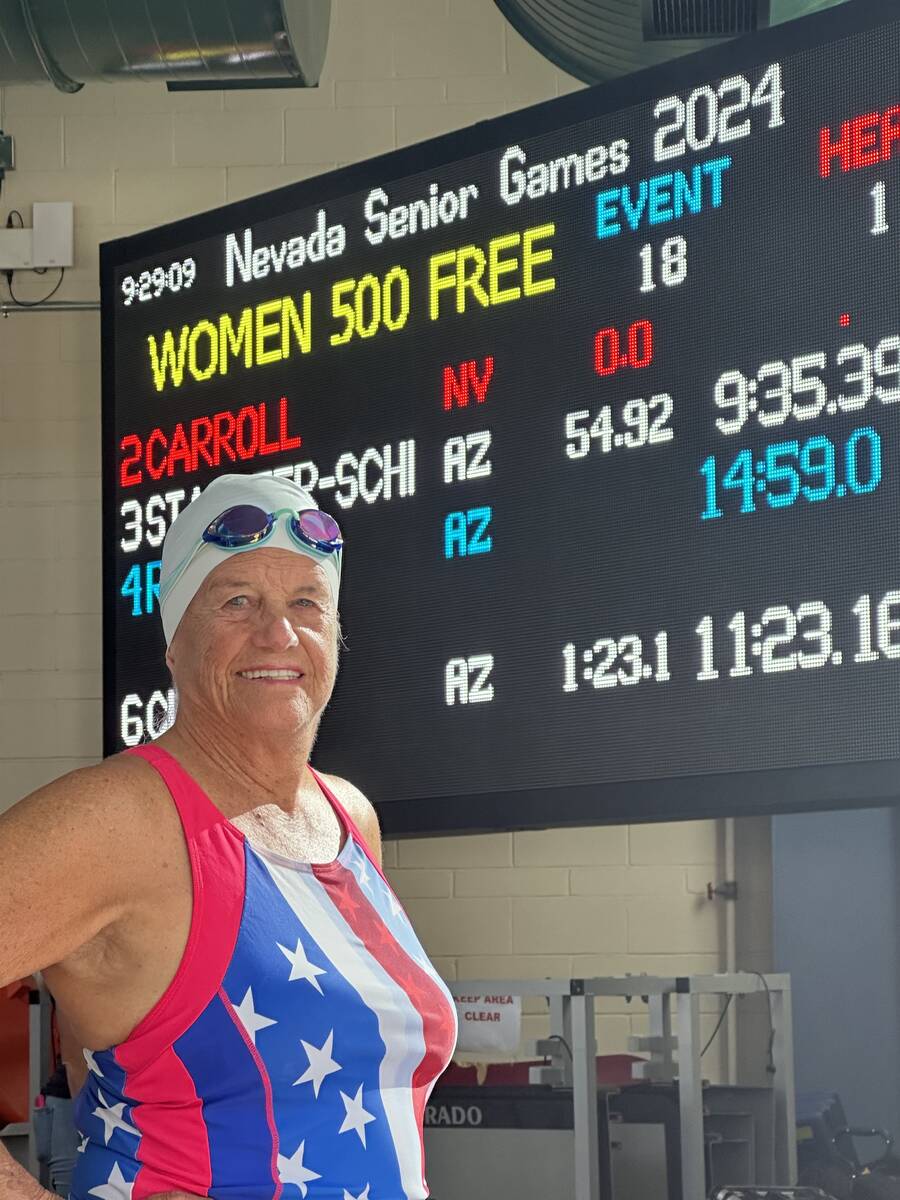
x: 233, y: 773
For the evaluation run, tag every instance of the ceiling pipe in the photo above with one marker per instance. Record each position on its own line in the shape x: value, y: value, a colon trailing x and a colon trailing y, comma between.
x: 188, y: 43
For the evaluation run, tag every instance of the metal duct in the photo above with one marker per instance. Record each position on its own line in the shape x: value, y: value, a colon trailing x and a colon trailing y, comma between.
x: 188, y: 43
x: 596, y: 40
x: 703, y: 18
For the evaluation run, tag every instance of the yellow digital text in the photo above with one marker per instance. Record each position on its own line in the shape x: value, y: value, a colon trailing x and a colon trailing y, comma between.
x: 502, y: 272
x: 268, y: 333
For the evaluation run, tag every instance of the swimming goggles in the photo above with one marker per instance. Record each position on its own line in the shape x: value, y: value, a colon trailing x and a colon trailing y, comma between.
x: 249, y: 525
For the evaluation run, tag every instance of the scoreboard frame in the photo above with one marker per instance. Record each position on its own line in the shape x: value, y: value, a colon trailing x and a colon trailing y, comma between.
x: 710, y: 795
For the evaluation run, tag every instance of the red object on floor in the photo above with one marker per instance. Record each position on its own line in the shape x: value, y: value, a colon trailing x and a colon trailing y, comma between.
x: 611, y: 1069
x: 14, y: 1051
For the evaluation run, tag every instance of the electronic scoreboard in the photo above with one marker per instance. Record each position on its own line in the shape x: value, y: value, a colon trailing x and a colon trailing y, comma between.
x: 605, y: 397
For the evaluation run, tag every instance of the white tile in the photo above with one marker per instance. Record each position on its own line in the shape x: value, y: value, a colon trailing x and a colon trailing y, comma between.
x: 38, y: 142
x: 344, y: 135
x: 151, y: 198
x: 381, y: 93
x: 142, y: 140
x: 446, y: 48
x: 602, y: 845
x: 682, y: 842
x: 253, y: 181
x: 237, y: 139
x: 568, y: 924
x: 417, y: 124
x: 476, y: 850
x: 29, y: 99
x: 49, y: 391
x: 268, y: 99
x: 511, y: 881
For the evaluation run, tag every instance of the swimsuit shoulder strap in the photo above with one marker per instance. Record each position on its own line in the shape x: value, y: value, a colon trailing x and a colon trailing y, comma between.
x: 197, y: 811
x: 351, y: 826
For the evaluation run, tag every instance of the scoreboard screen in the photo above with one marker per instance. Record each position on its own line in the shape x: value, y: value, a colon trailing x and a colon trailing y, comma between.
x: 605, y: 397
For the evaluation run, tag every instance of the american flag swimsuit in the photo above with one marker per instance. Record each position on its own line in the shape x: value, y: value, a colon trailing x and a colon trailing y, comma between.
x: 295, y: 1050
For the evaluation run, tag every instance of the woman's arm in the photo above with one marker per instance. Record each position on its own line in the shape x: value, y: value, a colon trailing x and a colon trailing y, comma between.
x: 89, y: 817
x: 49, y: 906
x: 16, y: 1183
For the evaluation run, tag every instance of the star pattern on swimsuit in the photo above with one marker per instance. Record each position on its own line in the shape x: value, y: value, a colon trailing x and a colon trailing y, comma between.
x: 365, y: 879
x: 301, y: 967
x: 111, y: 1116
x: 292, y: 1170
x: 116, y: 1187
x: 92, y: 1062
x: 350, y: 905
x: 356, y: 1118
x: 321, y: 1063
x: 250, y: 1019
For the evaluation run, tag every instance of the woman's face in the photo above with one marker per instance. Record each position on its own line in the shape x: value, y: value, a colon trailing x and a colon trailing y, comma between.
x: 266, y: 608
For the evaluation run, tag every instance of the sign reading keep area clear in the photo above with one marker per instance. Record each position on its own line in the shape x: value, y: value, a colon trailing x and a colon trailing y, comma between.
x: 489, y: 1023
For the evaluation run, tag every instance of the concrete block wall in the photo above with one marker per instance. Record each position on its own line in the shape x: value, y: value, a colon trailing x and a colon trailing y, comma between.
x: 565, y: 903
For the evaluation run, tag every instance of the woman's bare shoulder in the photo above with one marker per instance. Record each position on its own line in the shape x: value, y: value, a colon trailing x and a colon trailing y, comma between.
x: 72, y: 852
x: 107, y: 812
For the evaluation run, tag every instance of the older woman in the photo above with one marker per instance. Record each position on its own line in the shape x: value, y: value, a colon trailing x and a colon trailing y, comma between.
x: 258, y: 1016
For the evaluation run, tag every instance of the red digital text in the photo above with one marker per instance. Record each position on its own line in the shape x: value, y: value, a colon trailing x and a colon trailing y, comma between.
x: 460, y: 380
x: 252, y: 432
x: 862, y: 142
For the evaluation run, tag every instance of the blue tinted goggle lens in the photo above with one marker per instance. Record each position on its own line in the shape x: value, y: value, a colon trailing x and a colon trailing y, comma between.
x: 245, y: 524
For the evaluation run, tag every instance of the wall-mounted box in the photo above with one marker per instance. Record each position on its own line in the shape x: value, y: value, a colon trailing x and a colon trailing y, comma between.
x: 50, y: 243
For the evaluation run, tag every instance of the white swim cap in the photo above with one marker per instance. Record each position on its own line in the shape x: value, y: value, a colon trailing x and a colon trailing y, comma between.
x: 268, y: 492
